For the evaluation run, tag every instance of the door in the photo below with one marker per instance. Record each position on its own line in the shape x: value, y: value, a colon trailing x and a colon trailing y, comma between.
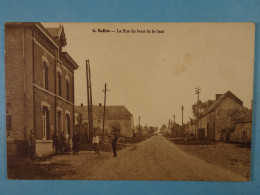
x: 59, y: 122
x: 44, y: 123
x: 201, y: 133
x: 68, y: 124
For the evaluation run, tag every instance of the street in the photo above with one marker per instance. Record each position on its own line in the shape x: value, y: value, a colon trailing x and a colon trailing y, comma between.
x: 154, y: 159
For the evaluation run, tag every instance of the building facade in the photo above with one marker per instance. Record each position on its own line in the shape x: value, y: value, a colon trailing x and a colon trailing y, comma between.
x: 116, y: 117
x: 242, y: 133
x: 218, y: 122
x: 39, y: 86
x: 177, y: 130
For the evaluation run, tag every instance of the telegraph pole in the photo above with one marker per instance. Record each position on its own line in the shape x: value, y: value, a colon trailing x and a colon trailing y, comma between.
x: 89, y: 93
x: 104, y: 114
x: 87, y: 78
x: 91, y: 115
x: 182, y: 108
x: 197, y: 91
x: 182, y: 134
x: 173, y: 125
x: 139, y: 118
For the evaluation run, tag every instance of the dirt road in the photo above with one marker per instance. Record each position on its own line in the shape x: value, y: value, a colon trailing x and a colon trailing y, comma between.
x: 154, y: 159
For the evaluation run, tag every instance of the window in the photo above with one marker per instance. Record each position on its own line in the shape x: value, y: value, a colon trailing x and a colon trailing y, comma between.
x: 8, y: 119
x: 59, y: 122
x: 45, y: 75
x: 68, y: 124
x: 8, y: 122
x: 59, y: 83
x: 45, y: 123
x: 68, y: 89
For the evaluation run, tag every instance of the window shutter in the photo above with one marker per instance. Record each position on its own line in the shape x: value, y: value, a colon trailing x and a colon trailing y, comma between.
x: 8, y: 122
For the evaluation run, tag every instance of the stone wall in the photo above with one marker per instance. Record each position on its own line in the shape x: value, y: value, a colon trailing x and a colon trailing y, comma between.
x: 223, y: 121
x: 242, y: 133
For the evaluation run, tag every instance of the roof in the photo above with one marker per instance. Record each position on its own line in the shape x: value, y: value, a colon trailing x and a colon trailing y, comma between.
x: 55, y: 35
x: 112, y: 112
x: 70, y: 59
x: 219, y: 101
x: 39, y: 26
x: 58, y: 34
x: 55, y: 32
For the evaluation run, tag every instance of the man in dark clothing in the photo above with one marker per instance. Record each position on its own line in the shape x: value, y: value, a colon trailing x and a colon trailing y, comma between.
x: 114, y: 141
x: 55, y: 139
x: 75, y: 142
x: 32, y: 144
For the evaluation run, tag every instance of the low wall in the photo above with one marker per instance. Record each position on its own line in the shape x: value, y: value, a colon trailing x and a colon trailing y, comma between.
x: 43, y: 148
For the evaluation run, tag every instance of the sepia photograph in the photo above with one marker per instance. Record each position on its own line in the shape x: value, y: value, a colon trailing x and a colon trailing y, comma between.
x: 129, y: 101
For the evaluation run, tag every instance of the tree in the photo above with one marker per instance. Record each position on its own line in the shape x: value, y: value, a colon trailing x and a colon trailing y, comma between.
x: 240, y: 114
x: 203, y: 106
x: 228, y: 117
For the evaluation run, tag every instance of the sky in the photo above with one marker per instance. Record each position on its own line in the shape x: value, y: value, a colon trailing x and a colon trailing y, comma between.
x: 153, y: 74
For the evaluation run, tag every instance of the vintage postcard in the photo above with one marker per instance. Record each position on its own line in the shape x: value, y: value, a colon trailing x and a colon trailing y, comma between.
x: 129, y: 101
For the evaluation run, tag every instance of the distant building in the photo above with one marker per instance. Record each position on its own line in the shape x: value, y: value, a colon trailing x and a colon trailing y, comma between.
x: 218, y: 122
x: 190, y: 128
x: 117, y: 117
x: 177, y: 130
x: 39, y: 86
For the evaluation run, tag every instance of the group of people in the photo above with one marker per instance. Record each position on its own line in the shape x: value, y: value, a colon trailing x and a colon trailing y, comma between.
x: 112, y: 139
x: 61, y: 143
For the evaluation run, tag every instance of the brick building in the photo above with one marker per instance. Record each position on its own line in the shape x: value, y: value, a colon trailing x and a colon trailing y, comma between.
x: 39, y: 86
x: 218, y: 122
x: 117, y: 117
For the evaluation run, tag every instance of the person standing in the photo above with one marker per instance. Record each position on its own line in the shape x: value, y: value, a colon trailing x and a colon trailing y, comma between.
x: 96, y: 143
x: 32, y: 144
x: 113, y: 142
x: 55, y: 138
x: 75, y: 142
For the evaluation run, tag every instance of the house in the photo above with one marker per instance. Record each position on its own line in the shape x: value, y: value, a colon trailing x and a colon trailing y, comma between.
x: 177, y: 130
x: 190, y: 129
x: 219, y: 119
x: 163, y: 129
x: 116, y: 117
x: 39, y: 86
x: 243, y: 130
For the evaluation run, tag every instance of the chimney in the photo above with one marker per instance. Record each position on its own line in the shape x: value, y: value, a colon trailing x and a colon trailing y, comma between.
x: 218, y: 95
x: 99, y: 104
x: 81, y: 104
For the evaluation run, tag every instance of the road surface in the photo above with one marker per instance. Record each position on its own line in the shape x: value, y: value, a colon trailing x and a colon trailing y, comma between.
x: 154, y: 159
